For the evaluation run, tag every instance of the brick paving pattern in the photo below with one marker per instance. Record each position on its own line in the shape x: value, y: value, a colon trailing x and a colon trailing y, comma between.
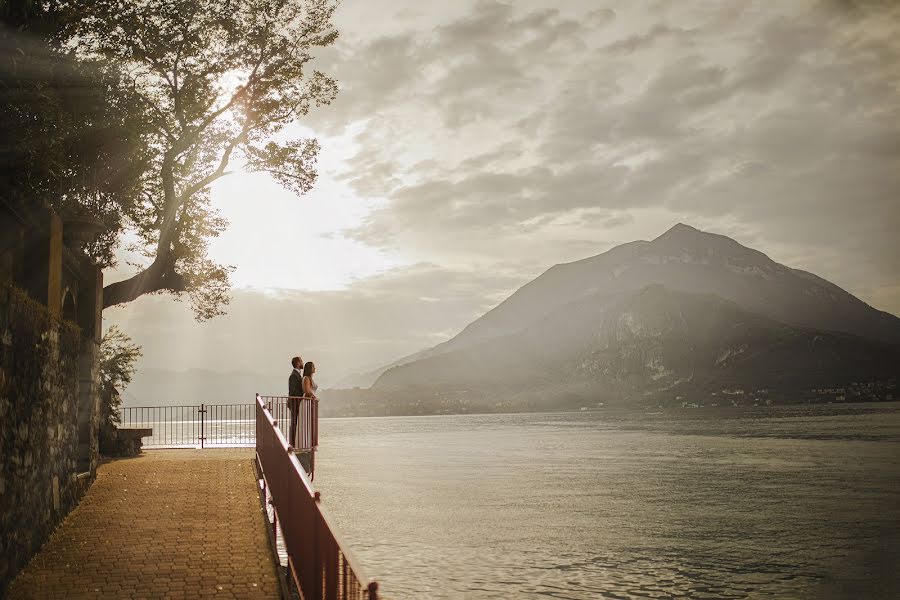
x: 167, y: 524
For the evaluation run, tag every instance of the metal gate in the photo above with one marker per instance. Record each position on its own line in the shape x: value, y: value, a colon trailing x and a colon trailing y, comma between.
x: 198, y: 426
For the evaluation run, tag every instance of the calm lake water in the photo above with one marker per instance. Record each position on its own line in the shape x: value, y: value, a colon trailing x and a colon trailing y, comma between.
x: 791, y: 502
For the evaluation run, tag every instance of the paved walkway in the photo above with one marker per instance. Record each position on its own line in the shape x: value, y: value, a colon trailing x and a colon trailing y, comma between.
x: 167, y: 524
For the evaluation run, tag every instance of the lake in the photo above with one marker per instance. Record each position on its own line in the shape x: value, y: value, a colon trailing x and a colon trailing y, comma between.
x: 780, y: 502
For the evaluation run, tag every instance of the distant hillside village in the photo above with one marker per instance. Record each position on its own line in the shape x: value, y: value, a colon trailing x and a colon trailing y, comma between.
x: 373, y: 402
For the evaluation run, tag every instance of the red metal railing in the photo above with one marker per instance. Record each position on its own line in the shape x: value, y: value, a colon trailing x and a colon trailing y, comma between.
x: 307, y: 410
x: 320, y: 566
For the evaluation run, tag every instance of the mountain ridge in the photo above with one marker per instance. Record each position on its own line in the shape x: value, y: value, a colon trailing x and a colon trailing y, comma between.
x: 819, y: 321
x: 626, y: 316
x: 697, y: 250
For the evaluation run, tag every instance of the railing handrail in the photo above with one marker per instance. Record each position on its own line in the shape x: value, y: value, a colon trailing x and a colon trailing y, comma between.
x: 309, y: 496
x: 307, y: 483
x: 180, y: 406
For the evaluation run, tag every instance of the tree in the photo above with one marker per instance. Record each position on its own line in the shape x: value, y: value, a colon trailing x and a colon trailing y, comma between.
x: 118, y: 355
x: 215, y: 82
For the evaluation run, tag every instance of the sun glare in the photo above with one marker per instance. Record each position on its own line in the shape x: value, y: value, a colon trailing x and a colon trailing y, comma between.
x: 279, y: 240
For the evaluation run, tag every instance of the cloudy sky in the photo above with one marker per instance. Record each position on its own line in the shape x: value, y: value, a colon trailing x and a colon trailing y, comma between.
x: 475, y: 144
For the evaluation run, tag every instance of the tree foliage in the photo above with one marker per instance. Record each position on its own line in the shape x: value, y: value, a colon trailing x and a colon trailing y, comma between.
x: 215, y: 83
x: 118, y: 356
x: 65, y: 140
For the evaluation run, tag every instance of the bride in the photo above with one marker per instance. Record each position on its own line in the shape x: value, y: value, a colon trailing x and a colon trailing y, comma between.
x: 309, y: 385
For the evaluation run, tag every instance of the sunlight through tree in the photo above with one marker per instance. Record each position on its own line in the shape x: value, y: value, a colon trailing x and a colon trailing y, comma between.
x: 216, y: 81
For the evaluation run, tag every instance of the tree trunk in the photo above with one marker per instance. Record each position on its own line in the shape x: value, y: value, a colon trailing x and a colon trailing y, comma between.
x: 155, y: 278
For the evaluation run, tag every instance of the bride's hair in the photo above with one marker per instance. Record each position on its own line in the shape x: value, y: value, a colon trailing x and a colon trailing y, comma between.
x: 308, y: 369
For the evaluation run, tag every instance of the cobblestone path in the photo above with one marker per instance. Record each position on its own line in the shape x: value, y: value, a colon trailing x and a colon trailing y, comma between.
x: 167, y: 524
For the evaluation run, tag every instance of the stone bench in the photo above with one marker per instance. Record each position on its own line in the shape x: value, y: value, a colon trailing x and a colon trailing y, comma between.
x: 126, y: 441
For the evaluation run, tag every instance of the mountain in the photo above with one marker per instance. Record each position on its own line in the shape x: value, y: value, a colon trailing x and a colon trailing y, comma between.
x: 365, y: 378
x: 686, y: 259
x: 688, y: 310
x: 362, y: 379
x: 653, y: 341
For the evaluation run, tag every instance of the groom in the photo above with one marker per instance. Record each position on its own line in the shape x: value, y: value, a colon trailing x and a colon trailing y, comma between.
x: 295, y: 390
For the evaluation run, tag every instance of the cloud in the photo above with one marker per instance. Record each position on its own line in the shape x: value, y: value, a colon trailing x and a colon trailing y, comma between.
x: 511, y: 120
x: 458, y: 71
x: 641, y: 41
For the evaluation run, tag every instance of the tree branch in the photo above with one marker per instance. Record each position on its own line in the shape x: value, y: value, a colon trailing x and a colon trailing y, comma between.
x: 223, y: 163
x: 155, y: 278
x: 171, y: 204
x: 237, y: 94
x: 176, y: 93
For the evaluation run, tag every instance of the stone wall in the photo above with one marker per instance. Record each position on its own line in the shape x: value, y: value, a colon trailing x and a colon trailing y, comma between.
x: 42, y: 360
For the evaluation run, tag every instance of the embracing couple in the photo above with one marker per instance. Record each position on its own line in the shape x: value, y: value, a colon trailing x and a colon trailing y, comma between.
x: 300, y: 385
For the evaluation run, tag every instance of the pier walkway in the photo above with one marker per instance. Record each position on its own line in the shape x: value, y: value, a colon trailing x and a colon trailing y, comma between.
x: 166, y: 524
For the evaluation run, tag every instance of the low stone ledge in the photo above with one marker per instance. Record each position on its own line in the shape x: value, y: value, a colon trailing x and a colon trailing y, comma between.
x: 124, y: 441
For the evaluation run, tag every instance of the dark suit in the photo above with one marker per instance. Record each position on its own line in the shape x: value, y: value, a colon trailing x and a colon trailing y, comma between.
x: 295, y: 390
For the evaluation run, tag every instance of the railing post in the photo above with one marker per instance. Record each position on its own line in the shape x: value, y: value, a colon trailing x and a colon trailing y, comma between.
x: 202, y: 425
x: 317, y: 552
x: 274, y: 523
